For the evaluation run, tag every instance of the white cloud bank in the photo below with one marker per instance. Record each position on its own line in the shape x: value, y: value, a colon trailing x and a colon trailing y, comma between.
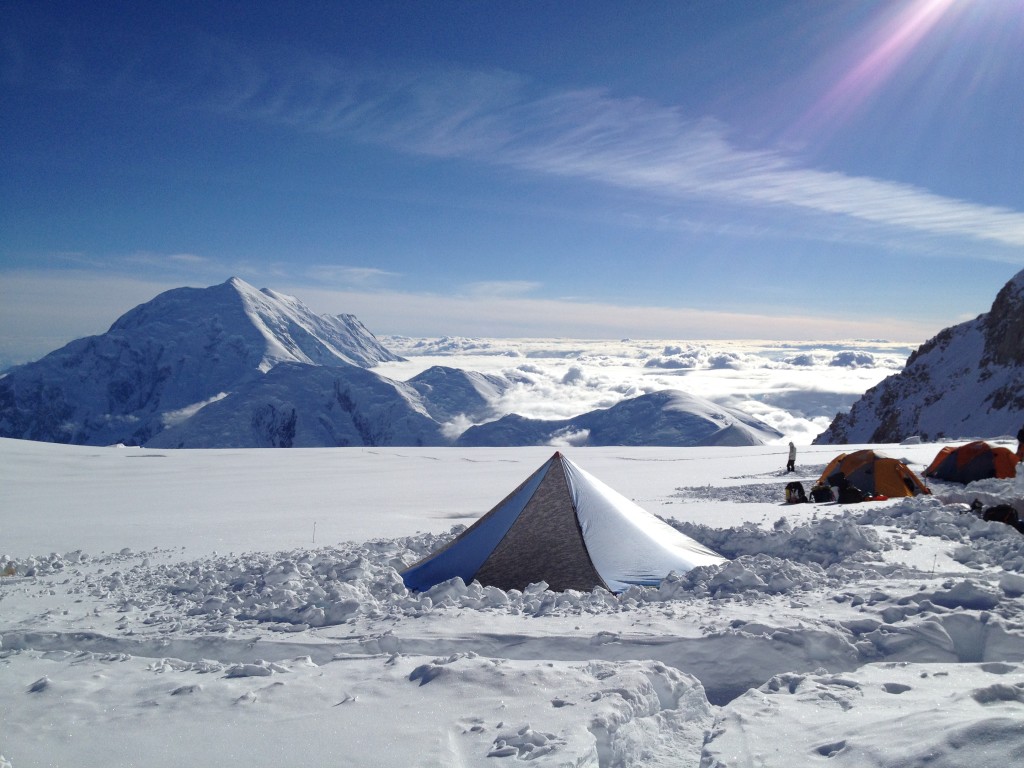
x: 421, y: 314
x: 797, y: 388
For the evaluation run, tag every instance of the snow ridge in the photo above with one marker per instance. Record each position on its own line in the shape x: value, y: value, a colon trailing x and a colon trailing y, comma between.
x: 966, y: 381
x: 668, y: 417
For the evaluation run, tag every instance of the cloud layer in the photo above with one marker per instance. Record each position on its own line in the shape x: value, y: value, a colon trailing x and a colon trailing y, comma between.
x: 795, y: 388
x: 500, y: 118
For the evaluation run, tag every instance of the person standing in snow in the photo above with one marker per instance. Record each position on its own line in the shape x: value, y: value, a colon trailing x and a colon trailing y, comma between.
x: 791, y: 464
x: 1020, y: 445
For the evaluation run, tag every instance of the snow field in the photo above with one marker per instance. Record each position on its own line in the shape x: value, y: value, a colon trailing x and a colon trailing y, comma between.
x: 835, y: 631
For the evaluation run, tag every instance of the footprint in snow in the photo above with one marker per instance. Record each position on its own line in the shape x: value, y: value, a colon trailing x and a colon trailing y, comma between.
x: 831, y: 750
x: 895, y: 688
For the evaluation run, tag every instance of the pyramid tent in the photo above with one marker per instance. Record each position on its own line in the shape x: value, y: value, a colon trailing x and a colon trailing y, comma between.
x: 565, y: 527
x: 875, y: 473
x: 973, y: 461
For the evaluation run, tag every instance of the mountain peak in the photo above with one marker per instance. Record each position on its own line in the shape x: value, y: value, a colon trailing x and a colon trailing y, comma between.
x: 178, y: 351
x: 249, y: 292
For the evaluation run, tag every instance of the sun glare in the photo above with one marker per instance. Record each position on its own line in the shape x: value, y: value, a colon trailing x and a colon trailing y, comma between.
x: 877, y: 59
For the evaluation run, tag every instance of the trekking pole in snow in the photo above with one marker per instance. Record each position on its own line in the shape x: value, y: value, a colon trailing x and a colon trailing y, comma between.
x: 314, y: 532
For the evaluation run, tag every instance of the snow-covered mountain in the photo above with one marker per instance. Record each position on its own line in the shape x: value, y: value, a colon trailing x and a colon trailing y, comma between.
x: 967, y: 381
x: 666, y: 418
x: 231, y: 366
x: 270, y: 326
x: 167, y: 358
x: 296, y: 405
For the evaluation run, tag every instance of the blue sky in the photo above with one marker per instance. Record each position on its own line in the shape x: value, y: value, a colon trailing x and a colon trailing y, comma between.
x: 704, y: 169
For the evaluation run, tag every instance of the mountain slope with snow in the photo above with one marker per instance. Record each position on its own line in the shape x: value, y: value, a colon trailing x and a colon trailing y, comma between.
x: 449, y: 392
x: 274, y: 327
x: 965, y: 382
x: 168, y: 357
x: 305, y: 406
x: 669, y: 417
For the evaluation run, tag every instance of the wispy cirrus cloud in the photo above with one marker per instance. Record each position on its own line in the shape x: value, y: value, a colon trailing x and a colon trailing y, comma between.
x: 500, y: 118
x: 152, y: 258
x: 426, y: 314
x: 188, y: 258
x: 501, y: 288
x: 340, y: 275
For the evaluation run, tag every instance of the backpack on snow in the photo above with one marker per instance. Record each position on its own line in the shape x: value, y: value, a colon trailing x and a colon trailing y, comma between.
x: 1001, y: 513
x: 851, y: 494
x: 823, y: 492
x: 795, y: 493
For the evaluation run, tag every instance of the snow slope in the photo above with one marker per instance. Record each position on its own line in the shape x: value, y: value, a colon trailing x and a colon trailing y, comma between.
x: 966, y: 381
x: 213, y: 607
x: 451, y: 394
x: 296, y: 405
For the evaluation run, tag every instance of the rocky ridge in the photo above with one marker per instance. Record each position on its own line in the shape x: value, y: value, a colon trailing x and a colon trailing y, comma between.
x: 967, y: 381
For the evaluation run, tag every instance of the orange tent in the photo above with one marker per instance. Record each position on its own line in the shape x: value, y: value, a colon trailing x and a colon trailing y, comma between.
x: 875, y: 474
x: 973, y: 461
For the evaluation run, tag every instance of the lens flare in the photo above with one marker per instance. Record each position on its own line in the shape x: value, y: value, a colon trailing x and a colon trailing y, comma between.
x: 884, y: 53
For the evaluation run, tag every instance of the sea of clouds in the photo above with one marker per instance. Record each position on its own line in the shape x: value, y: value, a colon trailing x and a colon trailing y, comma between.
x: 795, y: 387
